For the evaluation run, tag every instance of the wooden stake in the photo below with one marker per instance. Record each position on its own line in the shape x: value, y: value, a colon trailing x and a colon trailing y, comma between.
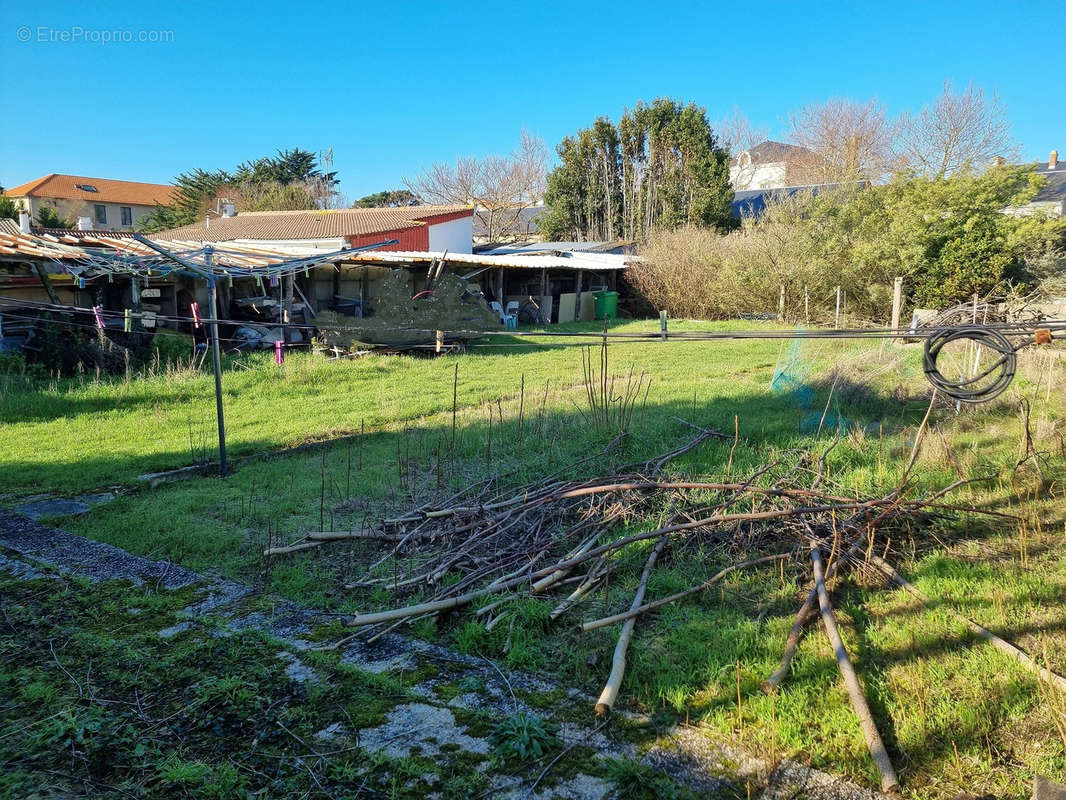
x: 897, y: 303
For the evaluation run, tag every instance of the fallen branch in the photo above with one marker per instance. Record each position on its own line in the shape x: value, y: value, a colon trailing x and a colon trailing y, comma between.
x: 635, y: 612
x: 803, y: 616
x: 1000, y: 644
x: 889, y: 781
x: 618, y: 664
x: 460, y: 600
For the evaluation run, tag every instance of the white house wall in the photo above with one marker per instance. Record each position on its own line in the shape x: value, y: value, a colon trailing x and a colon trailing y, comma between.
x: 72, y: 209
x: 770, y: 175
x: 456, y: 236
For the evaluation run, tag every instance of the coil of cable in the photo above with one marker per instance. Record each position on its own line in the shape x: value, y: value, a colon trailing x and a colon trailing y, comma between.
x: 987, y: 384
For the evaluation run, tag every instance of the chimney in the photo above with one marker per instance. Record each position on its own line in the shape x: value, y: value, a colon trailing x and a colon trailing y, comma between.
x: 85, y: 223
x: 1053, y: 160
x: 24, y: 221
x: 207, y: 220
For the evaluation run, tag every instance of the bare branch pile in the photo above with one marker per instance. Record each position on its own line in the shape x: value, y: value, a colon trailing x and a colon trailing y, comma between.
x: 561, y: 538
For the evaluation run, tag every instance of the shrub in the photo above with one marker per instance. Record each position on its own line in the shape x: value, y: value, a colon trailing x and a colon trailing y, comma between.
x: 947, y: 238
x: 170, y: 347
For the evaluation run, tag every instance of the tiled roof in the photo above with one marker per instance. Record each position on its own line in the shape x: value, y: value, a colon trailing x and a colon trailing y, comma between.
x: 771, y: 151
x: 66, y: 187
x: 326, y: 224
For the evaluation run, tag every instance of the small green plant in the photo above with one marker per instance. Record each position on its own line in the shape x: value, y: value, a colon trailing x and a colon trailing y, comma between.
x: 635, y: 781
x: 522, y: 736
x: 471, y: 638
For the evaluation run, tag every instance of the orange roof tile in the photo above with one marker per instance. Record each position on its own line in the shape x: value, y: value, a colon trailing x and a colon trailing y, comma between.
x: 325, y: 224
x: 66, y: 187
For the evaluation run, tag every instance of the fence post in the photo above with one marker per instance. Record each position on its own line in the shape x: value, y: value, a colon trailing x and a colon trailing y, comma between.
x: 836, y: 315
x: 440, y: 341
x: 897, y: 302
x: 781, y: 304
x: 662, y: 324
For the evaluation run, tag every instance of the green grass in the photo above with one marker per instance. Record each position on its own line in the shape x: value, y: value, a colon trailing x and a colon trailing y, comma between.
x: 77, y: 434
x: 956, y: 714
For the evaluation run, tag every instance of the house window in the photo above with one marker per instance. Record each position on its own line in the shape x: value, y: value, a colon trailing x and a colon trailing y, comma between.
x: 127, y: 215
x: 101, y: 214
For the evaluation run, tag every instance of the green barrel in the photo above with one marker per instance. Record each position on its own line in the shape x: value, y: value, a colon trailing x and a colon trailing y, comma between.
x: 606, y: 304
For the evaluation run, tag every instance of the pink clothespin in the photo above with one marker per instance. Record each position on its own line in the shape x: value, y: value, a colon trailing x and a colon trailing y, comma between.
x: 279, y: 352
x: 195, y: 314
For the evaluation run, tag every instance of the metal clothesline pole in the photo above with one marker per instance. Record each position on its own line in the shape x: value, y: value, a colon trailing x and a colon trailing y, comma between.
x: 216, y: 358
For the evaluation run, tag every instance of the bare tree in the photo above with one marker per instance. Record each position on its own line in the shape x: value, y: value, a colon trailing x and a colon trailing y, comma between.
x: 956, y: 133
x: 499, y: 187
x: 850, y: 140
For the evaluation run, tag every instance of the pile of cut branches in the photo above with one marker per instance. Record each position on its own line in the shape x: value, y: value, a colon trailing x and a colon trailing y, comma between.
x: 561, y: 538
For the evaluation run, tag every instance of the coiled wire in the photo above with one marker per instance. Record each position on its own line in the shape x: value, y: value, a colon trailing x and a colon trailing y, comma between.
x: 987, y: 384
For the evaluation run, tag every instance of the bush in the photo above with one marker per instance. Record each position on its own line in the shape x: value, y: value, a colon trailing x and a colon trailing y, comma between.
x: 12, y: 362
x: 170, y: 347
x: 946, y: 238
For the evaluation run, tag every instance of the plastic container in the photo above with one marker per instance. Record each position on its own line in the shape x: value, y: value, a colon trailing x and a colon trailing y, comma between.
x: 606, y: 305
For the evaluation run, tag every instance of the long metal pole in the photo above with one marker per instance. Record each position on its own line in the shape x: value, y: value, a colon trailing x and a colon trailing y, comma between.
x: 216, y: 357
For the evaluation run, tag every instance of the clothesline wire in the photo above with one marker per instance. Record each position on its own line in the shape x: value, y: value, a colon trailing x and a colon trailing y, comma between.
x: 1006, y: 328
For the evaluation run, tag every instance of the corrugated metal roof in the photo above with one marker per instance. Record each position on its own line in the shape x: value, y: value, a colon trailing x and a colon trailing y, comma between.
x: 86, y: 249
x: 587, y: 261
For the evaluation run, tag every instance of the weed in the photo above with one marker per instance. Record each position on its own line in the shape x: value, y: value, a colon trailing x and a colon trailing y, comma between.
x: 523, y: 737
x: 635, y: 781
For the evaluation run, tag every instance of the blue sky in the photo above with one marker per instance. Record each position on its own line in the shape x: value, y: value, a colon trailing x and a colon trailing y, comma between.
x: 393, y: 86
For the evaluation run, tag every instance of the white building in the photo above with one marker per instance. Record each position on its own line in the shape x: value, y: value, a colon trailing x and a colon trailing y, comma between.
x: 771, y: 165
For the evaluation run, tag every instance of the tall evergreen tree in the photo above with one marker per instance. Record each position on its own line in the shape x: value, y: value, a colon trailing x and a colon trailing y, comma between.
x: 289, y: 180
x: 660, y: 167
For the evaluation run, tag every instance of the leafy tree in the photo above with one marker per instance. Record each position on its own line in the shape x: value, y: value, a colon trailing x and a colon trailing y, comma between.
x: 388, y: 198
x: 162, y: 218
x: 48, y: 217
x: 660, y: 167
x: 273, y: 196
x: 9, y: 209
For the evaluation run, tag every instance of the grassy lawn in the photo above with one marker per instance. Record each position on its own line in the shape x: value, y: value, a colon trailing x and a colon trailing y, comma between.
x: 955, y: 714
x: 77, y: 434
